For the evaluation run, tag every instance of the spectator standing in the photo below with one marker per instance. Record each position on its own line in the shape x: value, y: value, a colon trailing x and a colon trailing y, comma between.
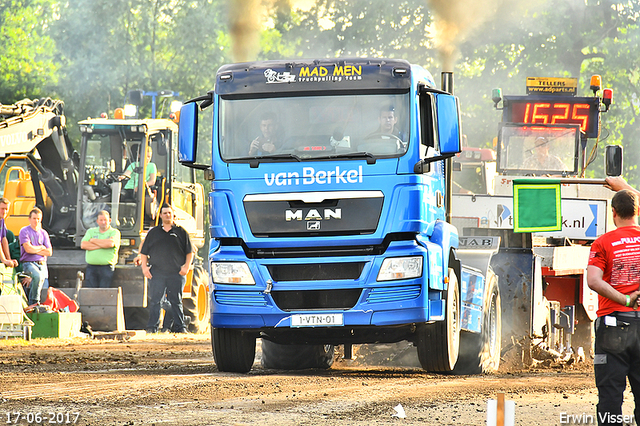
x: 166, y: 256
x: 614, y: 273
x: 101, y: 244
x: 5, y: 253
x: 35, y: 247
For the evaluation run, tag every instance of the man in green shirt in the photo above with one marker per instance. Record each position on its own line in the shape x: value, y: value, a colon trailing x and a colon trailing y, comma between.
x: 102, y: 244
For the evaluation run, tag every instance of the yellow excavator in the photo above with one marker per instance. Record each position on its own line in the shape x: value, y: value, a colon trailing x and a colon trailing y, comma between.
x: 41, y: 168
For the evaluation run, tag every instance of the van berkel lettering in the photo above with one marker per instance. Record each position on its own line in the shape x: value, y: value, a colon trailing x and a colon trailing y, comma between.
x: 310, y: 176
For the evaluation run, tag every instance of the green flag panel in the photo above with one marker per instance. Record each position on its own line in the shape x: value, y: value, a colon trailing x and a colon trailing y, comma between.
x: 536, y: 205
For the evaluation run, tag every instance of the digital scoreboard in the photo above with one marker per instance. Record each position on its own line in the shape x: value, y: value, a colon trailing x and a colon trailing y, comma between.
x: 554, y: 110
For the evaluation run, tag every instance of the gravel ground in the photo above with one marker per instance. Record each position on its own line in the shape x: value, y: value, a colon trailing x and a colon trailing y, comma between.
x: 172, y: 380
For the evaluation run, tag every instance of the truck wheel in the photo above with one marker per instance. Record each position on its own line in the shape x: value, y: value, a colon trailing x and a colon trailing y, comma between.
x: 439, y: 342
x: 233, y: 350
x: 296, y: 357
x: 480, y: 352
x: 198, y: 304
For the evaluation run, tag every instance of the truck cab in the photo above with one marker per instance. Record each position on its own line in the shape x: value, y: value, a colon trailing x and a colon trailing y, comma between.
x: 328, y: 211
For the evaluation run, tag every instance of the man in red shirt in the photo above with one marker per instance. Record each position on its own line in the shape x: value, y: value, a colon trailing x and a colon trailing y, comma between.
x: 614, y: 273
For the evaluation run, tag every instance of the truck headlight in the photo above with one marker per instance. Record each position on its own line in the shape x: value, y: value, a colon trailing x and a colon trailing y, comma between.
x: 400, y: 268
x: 231, y: 273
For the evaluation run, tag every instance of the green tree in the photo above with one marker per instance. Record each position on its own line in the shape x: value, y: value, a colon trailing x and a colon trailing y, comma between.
x: 107, y: 48
x: 357, y: 28
x: 566, y: 39
x: 197, y: 46
x: 27, y: 63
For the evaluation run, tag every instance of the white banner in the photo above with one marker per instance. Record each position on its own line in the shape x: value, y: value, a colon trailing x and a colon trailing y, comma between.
x: 581, y: 218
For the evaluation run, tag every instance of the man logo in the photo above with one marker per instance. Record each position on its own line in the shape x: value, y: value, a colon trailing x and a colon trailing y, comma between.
x: 313, y: 226
x: 312, y: 214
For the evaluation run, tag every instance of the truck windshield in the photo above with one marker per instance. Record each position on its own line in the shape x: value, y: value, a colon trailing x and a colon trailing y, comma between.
x: 526, y: 149
x: 312, y: 127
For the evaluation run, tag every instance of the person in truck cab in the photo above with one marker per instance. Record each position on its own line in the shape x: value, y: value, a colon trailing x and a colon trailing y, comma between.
x: 387, y: 121
x: 268, y: 142
x: 541, y: 159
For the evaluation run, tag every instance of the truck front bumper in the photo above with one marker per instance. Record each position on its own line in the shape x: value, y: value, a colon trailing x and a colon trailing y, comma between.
x: 371, y: 303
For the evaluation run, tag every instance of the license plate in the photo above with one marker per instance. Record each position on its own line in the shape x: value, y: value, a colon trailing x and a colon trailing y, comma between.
x: 315, y: 320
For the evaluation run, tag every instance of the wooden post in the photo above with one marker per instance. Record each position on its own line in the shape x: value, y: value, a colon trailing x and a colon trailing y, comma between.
x: 500, y: 412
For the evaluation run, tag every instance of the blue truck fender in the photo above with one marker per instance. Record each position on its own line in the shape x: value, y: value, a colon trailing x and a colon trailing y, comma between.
x: 221, y: 220
x: 475, y: 255
x: 440, y: 239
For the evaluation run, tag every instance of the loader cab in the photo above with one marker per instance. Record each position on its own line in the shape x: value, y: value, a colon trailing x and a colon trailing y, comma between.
x: 110, y: 148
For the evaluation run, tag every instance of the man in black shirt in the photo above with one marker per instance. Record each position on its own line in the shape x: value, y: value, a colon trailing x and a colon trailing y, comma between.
x: 166, y: 256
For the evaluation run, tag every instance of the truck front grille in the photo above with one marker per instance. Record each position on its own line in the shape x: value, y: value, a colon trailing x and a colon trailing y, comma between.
x: 240, y: 298
x: 316, y: 299
x: 393, y: 294
x: 316, y: 271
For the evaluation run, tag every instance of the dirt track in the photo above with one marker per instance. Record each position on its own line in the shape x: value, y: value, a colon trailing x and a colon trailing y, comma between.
x: 170, y: 380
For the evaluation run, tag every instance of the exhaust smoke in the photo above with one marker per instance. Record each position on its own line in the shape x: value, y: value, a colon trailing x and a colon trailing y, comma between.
x: 454, y: 22
x: 245, y: 17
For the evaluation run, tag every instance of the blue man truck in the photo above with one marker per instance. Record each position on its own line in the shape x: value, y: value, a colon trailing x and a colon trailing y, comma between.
x: 329, y: 217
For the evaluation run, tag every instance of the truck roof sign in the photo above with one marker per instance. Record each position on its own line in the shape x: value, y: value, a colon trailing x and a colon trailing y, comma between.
x: 552, y: 86
x: 317, y: 75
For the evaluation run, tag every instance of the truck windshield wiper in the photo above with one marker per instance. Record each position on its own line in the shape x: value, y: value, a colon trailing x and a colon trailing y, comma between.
x: 255, y: 161
x: 371, y: 159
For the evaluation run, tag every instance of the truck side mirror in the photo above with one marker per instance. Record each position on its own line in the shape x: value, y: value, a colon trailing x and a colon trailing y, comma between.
x: 449, y: 128
x: 613, y: 160
x: 188, y: 133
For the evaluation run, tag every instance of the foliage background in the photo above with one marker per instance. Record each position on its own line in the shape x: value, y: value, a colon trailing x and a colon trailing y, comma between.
x: 89, y: 53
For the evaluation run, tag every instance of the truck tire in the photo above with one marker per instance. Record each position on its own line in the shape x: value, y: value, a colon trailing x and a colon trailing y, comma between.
x: 296, y: 357
x: 439, y: 342
x: 198, y: 305
x: 233, y: 350
x: 480, y: 352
